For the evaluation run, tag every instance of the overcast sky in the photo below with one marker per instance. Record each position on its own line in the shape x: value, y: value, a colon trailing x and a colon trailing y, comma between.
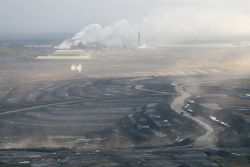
x: 176, y: 17
x: 68, y: 15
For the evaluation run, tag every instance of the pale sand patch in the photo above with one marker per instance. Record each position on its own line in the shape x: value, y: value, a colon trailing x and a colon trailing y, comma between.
x: 213, y: 106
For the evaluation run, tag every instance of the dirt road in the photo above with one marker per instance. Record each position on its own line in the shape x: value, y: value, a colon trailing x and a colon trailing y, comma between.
x: 206, y: 140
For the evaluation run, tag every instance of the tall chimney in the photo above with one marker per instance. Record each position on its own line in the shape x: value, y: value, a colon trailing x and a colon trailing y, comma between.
x: 139, y: 39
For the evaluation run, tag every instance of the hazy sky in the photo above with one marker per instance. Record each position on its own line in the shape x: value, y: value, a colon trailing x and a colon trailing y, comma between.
x: 67, y: 15
x: 165, y: 17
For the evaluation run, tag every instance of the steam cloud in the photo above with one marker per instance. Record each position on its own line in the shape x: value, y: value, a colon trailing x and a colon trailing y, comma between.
x: 208, y: 20
x: 112, y: 35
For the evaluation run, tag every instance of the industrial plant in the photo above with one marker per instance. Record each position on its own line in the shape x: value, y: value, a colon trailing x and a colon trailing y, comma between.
x: 168, y: 86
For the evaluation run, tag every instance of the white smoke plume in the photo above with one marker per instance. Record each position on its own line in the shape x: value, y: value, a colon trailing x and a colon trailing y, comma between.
x: 112, y: 35
x: 176, y: 21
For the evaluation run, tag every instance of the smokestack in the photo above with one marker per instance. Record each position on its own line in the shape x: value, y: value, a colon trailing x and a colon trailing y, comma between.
x: 139, y: 39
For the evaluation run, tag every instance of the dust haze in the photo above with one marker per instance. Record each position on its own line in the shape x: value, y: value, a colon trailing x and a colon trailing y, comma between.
x: 166, y: 87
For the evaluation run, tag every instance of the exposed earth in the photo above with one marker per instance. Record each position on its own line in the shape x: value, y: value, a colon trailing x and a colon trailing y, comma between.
x: 130, y: 110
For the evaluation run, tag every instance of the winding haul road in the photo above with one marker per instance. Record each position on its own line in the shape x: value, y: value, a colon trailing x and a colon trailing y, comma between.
x: 206, y: 140
x: 71, y: 102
